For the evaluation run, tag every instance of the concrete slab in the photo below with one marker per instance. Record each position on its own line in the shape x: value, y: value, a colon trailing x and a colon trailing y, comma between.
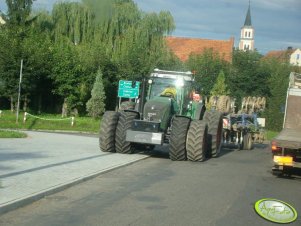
x: 45, y: 163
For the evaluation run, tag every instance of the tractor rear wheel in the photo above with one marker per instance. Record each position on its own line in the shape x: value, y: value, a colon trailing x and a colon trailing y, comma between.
x: 177, y: 141
x: 124, y: 123
x: 196, y: 143
x: 107, y: 131
x: 215, y: 130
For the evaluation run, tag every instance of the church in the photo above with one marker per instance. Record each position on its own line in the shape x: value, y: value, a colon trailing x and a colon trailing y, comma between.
x: 182, y: 47
x: 247, y: 34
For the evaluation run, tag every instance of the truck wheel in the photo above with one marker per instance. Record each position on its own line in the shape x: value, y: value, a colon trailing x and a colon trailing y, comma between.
x: 196, y: 141
x: 177, y: 141
x: 215, y: 130
x: 247, y: 142
x: 107, y: 131
x: 124, y: 123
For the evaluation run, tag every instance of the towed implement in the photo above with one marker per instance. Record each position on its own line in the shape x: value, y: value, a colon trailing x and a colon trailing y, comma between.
x: 241, y: 128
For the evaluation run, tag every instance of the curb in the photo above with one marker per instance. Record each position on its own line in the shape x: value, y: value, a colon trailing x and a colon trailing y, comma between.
x: 21, y: 202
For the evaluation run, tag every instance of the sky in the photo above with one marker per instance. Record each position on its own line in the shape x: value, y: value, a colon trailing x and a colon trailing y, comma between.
x: 277, y: 23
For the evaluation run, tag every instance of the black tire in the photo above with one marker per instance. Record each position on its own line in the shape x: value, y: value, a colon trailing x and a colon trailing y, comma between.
x: 196, y: 145
x: 107, y: 131
x: 215, y: 130
x: 124, y: 123
x: 177, y: 141
x: 247, y: 142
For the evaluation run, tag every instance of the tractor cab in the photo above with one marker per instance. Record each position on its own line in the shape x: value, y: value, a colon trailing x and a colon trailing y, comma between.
x: 169, y: 87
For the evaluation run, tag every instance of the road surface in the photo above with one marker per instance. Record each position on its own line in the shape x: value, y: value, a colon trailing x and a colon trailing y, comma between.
x: 158, y: 191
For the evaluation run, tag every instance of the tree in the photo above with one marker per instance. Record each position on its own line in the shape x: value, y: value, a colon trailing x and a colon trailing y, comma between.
x: 18, y: 12
x: 96, y: 106
x: 12, y: 36
x: 207, y: 67
x: 220, y: 88
x: 277, y: 84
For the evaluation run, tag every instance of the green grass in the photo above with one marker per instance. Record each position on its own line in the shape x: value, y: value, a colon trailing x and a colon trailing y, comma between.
x: 53, y: 122
x: 271, y: 134
x: 12, y: 134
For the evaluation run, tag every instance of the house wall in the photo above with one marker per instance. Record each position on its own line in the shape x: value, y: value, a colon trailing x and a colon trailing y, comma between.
x: 1, y: 20
x: 295, y: 58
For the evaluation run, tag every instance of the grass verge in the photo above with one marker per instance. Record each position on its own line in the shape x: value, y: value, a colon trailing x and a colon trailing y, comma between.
x: 12, y: 134
x: 48, y: 122
x: 271, y: 134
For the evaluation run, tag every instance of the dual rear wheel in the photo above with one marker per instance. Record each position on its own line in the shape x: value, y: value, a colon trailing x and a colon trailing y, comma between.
x: 195, y: 140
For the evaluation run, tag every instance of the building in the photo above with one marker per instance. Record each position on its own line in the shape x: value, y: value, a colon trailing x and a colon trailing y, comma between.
x: 247, y: 33
x: 295, y: 58
x: 290, y: 55
x: 184, y: 47
x: 2, y: 21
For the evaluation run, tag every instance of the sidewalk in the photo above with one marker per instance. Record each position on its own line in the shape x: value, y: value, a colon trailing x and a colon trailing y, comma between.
x: 45, y: 163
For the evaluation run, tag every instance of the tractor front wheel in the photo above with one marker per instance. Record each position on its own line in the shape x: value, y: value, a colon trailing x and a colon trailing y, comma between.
x: 124, y: 123
x: 107, y: 131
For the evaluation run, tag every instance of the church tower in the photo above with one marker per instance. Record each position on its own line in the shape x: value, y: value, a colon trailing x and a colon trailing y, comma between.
x: 247, y: 33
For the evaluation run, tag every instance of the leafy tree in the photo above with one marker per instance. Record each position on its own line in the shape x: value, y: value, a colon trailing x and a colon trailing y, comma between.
x: 277, y: 84
x: 67, y: 75
x: 246, y: 77
x: 96, y: 105
x: 220, y: 88
x: 12, y: 36
x: 18, y: 12
x: 207, y: 67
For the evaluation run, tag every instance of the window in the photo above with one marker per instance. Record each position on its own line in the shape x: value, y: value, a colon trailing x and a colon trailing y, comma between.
x: 249, y: 34
x: 298, y: 56
x: 246, y: 34
x: 246, y: 47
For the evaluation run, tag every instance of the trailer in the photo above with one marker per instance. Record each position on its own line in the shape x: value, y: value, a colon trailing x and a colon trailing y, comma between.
x: 286, y: 147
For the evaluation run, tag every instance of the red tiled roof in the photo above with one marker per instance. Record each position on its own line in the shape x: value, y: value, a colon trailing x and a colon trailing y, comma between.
x: 183, y: 47
x: 282, y: 55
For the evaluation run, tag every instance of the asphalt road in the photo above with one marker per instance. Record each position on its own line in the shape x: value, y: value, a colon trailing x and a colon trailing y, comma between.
x: 157, y: 191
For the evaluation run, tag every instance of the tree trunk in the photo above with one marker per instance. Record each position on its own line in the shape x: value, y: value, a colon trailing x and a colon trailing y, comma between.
x: 25, y: 104
x: 64, y: 108
x: 12, y: 107
x: 40, y: 104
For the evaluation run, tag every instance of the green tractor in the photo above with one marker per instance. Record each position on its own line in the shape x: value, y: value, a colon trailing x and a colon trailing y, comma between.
x: 164, y: 113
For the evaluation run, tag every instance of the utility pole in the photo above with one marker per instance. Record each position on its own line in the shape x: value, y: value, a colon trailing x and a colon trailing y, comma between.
x: 19, y: 93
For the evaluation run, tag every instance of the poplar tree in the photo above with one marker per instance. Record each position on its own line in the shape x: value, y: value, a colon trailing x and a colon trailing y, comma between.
x: 95, y: 106
x: 220, y: 87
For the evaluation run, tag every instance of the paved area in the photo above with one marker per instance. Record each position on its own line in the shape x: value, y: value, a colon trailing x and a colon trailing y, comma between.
x: 45, y: 163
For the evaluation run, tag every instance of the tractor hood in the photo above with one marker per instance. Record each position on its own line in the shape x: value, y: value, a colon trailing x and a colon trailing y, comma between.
x: 158, y: 109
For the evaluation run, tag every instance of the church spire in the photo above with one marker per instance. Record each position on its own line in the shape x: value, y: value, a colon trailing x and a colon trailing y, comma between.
x: 247, y: 33
x: 248, y: 21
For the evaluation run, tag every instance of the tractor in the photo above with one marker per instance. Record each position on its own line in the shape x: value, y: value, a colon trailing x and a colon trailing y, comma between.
x: 166, y: 112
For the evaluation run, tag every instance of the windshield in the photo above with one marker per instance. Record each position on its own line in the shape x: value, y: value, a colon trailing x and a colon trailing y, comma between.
x: 159, y: 85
